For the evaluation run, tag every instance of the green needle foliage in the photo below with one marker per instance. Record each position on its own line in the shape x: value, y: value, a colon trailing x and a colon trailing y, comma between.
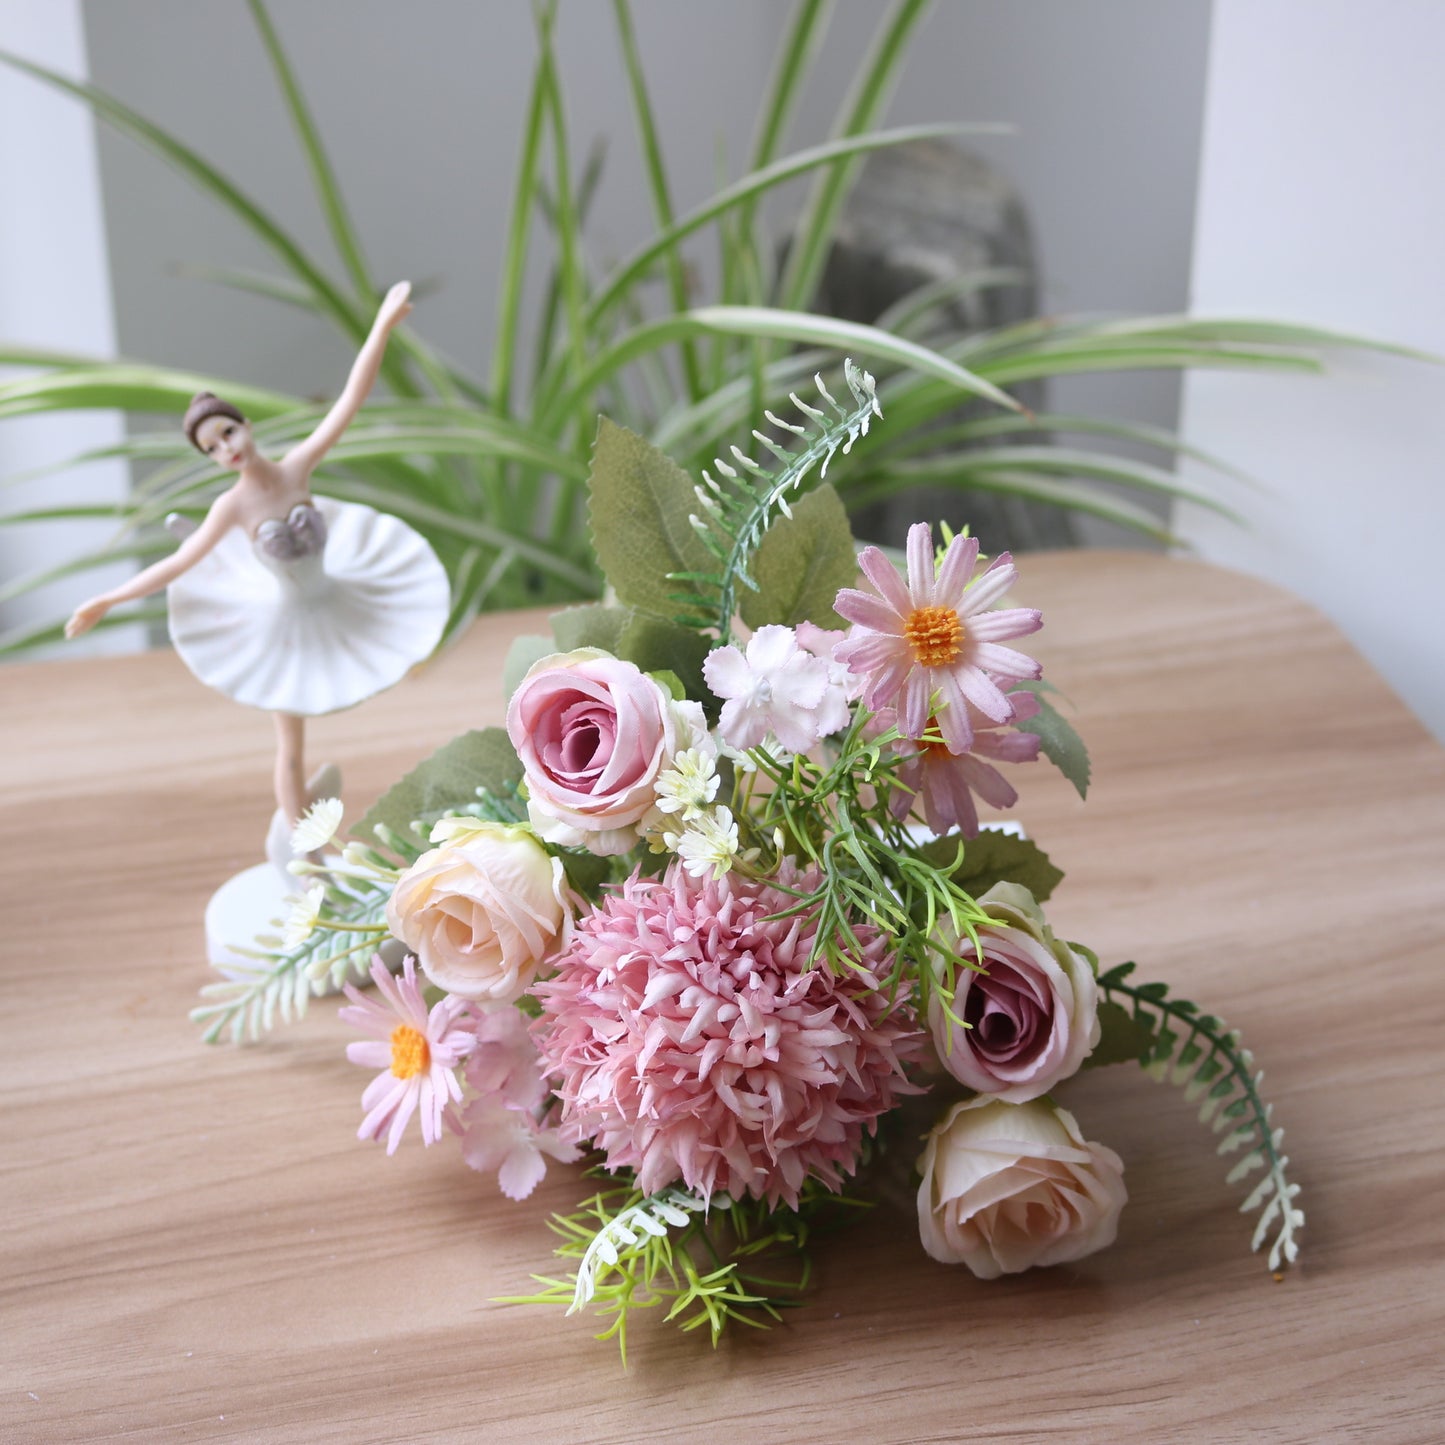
x: 493, y: 470
x: 704, y: 1265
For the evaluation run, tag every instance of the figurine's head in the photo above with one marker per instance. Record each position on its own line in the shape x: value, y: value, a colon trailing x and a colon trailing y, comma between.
x: 218, y: 429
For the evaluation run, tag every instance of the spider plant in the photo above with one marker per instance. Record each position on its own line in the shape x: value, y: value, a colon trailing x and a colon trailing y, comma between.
x: 492, y: 468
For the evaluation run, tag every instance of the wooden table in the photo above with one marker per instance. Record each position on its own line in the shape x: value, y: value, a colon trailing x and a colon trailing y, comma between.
x: 196, y: 1247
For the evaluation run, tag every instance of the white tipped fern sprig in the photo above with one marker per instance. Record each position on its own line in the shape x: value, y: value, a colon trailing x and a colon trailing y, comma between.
x: 651, y: 1218
x: 1203, y: 1055
x: 743, y: 501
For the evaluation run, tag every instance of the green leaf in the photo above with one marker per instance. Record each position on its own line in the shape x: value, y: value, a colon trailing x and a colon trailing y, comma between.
x: 206, y: 178
x: 586, y: 872
x: 861, y: 110
x: 996, y: 857
x: 448, y: 779
x: 657, y: 644
x: 640, y: 502
x: 525, y: 650
x: 592, y: 625
x: 1123, y: 1039
x: 1063, y: 747
x: 801, y: 563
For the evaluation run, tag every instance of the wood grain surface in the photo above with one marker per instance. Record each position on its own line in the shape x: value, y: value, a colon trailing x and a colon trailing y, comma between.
x: 196, y: 1247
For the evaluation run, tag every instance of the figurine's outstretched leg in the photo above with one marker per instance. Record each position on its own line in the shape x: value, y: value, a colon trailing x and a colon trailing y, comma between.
x: 290, y: 765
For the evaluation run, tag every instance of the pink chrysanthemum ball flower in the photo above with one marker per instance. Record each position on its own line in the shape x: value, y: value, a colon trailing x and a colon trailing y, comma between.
x: 689, y: 1038
x: 416, y: 1051
x: 936, y: 635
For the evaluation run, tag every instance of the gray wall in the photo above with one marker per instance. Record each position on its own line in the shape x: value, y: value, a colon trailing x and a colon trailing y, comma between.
x: 421, y: 106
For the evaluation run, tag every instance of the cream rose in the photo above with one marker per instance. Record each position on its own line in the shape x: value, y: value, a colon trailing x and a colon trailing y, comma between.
x: 1009, y: 1186
x: 483, y: 911
x: 593, y: 733
x: 1033, y: 1016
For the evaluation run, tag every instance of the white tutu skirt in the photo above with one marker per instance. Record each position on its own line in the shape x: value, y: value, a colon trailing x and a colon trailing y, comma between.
x: 314, y: 633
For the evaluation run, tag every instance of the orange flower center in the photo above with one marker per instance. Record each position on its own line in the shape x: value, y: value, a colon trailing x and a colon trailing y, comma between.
x: 935, y: 634
x: 409, y: 1052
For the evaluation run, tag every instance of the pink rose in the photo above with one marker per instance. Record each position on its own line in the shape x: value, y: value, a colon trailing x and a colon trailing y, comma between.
x: 1033, y: 1016
x: 593, y: 733
x: 1009, y: 1186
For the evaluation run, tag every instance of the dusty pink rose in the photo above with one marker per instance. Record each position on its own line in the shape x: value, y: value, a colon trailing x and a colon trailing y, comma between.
x: 1009, y: 1186
x: 482, y: 911
x: 593, y: 733
x: 1033, y: 1016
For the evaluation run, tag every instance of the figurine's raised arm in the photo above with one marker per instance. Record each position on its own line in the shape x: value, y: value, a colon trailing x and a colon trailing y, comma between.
x: 307, y: 455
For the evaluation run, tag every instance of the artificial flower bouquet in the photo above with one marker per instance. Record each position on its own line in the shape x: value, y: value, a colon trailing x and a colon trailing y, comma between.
x: 714, y: 917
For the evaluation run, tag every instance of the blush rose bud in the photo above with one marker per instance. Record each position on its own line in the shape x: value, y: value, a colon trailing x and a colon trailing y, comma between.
x: 1009, y: 1186
x: 482, y: 911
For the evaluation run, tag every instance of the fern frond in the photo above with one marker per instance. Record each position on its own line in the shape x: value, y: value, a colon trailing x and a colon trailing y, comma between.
x: 284, y: 983
x: 737, y: 506
x: 1201, y: 1054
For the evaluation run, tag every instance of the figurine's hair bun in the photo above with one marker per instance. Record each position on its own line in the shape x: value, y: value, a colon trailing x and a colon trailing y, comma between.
x: 206, y: 404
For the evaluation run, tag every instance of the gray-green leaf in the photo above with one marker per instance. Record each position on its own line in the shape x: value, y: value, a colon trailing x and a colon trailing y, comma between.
x: 801, y: 563
x: 1061, y: 745
x: 657, y: 644
x: 593, y: 625
x: 995, y: 857
x: 525, y: 650
x: 446, y: 780
x: 639, y: 503
x: 1123, y: 1039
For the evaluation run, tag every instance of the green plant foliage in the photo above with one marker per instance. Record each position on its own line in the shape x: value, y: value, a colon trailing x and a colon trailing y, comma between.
x: 658, y: 645
x: 801, y: 564
x: 994, y: 857
x: 706, y: 1265
x: 1200, y: 1053
x: 1058, y: 741
x: 446, y: 782
x: 493, y: 472
x: 640, y: 503
x: 593, y: 625
x: 530, y: 648
x: 1123, y: 1038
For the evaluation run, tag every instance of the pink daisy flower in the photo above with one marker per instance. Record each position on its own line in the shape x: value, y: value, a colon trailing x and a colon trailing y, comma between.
x: 942, y: 783
x: 936, y: 635
x: 691, y: 1038
x: 505, y: 1128
x: 417, y: 1052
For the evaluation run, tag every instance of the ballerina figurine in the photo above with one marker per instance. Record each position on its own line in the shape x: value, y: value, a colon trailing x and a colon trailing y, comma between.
x: 297, y: 604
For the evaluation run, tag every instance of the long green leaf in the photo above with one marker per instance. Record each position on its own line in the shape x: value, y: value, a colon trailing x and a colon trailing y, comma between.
x: 130, y: 387
x: 1058, y: 461
x: 433, y: 519
x: 23, y: 639
x: 861, y: 110
x: 514, y: 265
x: 569, y: 264
x: 323, y: 178
x: 632, y: 268
x: 129, y: 123
x: 986, y: 428
x: 657, y: 183
x: 1073, y: 496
